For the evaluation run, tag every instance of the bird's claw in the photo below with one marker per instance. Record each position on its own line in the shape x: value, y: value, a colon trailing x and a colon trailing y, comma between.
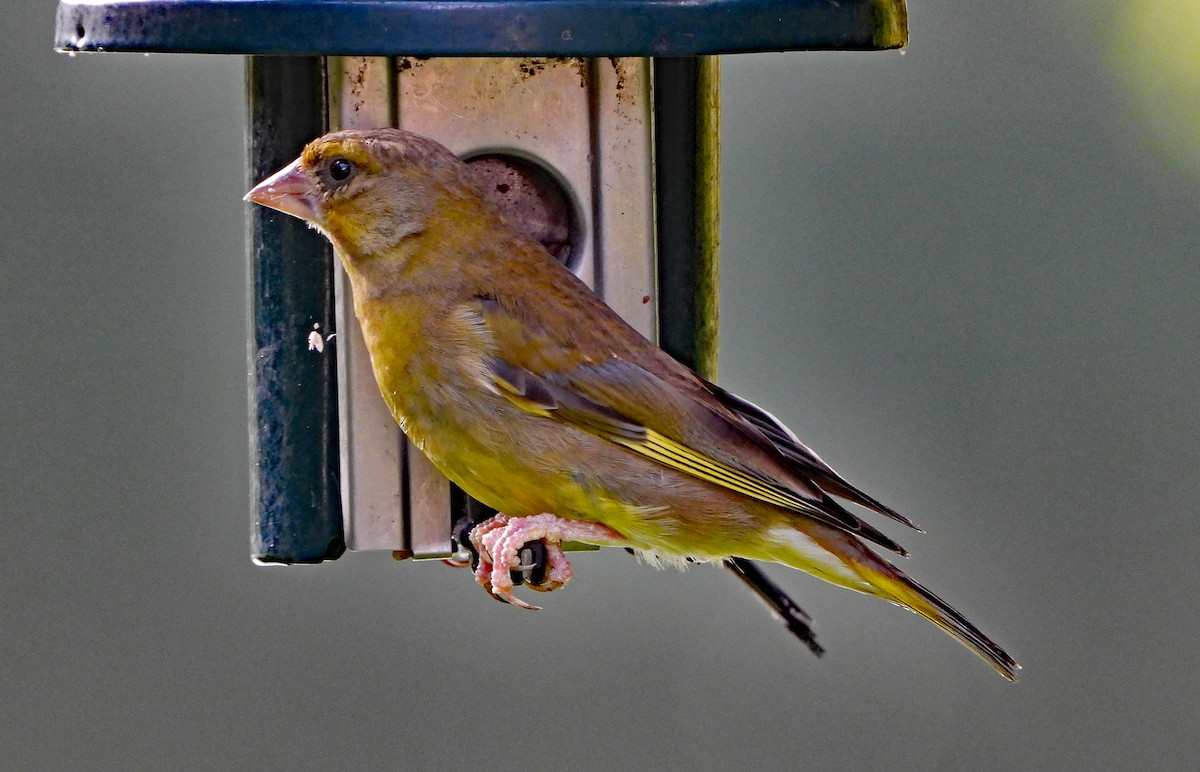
x: 501, y: 540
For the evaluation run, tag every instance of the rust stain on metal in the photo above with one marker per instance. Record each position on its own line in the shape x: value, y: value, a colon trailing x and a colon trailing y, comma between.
x: 621, y: 70
x: 358, y: 87
x: 535, y: 65
x: 531, y: 67
x: 407, y: 63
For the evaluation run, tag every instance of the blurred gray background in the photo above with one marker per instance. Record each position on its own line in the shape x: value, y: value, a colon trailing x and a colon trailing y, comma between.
x: 969, y: 275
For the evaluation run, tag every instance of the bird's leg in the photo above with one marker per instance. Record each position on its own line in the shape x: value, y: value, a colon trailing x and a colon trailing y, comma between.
x: 499, y: 541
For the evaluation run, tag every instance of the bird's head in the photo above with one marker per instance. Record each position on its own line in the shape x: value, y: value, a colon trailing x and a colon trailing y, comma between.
x: 368, y: 191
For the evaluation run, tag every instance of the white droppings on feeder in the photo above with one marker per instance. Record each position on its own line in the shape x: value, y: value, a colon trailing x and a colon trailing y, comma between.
x: 315, y: 341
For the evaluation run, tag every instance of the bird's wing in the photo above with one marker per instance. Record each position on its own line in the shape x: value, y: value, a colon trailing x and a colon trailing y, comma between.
x: 672, y: 418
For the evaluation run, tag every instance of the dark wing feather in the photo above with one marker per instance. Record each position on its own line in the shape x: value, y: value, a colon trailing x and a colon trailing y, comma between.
x: 804, y: 460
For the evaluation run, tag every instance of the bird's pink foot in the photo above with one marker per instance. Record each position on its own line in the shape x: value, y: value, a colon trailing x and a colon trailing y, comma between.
x: 500, y: 539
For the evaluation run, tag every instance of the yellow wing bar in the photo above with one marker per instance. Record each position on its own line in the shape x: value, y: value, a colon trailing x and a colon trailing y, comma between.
x: 677, y: 456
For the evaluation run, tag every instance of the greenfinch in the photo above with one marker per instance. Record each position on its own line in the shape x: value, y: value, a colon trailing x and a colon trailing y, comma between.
x: 536, y: 398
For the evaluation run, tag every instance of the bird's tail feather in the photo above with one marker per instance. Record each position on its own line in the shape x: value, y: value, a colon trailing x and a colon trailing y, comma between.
x: 848, y: 562
x: 897, y: 587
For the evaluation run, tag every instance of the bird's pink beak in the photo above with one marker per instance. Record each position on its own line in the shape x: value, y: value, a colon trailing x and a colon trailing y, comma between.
x: 288, y: 190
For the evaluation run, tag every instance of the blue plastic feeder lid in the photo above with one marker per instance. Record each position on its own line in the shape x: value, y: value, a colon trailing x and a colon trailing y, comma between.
x: 479, y: 27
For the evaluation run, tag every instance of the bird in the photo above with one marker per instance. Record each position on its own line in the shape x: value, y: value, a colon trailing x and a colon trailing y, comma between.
x: 531, y: 394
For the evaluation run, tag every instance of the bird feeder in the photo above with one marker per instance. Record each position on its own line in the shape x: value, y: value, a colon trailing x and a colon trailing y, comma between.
x: 594, y: 121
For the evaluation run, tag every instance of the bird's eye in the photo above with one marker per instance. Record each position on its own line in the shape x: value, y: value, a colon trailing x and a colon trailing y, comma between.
x: 341, y: 170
